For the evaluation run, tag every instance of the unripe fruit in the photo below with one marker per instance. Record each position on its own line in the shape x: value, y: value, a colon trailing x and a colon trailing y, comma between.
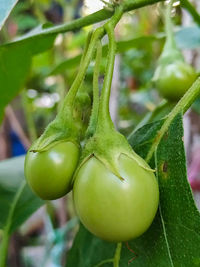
x: 49, y: 173
x: 172, y: 80
x: 115, y: 209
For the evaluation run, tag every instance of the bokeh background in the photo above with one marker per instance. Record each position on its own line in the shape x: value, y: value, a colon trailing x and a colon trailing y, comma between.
x: 45, y: 238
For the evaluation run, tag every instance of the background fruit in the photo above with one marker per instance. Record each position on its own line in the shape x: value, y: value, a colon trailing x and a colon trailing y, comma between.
x: 174, y: 79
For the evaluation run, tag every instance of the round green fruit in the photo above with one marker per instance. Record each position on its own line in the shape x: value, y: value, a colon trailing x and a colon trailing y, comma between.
x: 115, y: 209
x: 49, y: 173
x: 172, y: 80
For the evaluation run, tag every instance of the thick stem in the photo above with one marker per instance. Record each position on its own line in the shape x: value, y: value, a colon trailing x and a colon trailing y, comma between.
x: 4, y: 249
x: 192, y: 10
x: 170, y: 41
x: 170, y: 50
x: 117, y: 255
x: 104, y: 119
x: 86, y: 47
x: 91, y: 19
x: 95, y: 106
x: 182, y: 106
x: 69, y: 99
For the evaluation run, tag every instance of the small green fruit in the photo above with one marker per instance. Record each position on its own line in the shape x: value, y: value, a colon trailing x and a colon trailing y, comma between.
x: 173, y: 79
x: 49, y: 173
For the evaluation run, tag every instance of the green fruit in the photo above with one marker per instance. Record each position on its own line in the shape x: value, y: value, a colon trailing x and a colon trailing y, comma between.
x: 115, y: 209
x: 172, y: 80
x: 49, y: 173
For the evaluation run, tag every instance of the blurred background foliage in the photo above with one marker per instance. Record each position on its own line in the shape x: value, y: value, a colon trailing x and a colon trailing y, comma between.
x: 44, y: 239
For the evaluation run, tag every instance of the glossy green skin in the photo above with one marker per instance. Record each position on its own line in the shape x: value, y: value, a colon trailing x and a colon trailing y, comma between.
x: 173, y: 80
x: 49, y: 173
x: 110, y: 208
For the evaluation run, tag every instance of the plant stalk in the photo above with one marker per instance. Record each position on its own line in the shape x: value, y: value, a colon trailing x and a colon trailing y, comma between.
x: 96, y: 17
x: 69, y: 99
x: 117, y: 255
x: 192, y: 10
x: 104, y: 119
x: 95, y: 106
x: 170, y: 41
x: 182, y: 106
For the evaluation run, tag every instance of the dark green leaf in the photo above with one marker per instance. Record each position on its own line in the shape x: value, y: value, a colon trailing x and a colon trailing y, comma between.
x: 5, y: 8
x: 174, y: 237
x: 88, y: 250
x: 17, y: 201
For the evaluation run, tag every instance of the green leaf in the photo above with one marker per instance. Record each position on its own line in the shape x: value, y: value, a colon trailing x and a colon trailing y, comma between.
x: 5, y: 8
x: 88, y: 250
x: 174, y: 237
x: 186, y: 38
x: 17, y: 201
x: 15, y: 62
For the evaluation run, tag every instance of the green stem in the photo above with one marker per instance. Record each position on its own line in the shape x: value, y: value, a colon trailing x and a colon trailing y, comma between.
x: 129, y: 5
x: 170, y: 50
x: 4, y: 249
x: 69, y: 99
x: 103, y: 262
x: 192, y: 10
x: 29, y: 117
x: 91, y: 19
x: 104, y: 119
x: 7, y: 229
x: 86, y: 47
x: 182, y: 106
x: 95, y: 106
x: 117, y: 255
x: 170, y: 41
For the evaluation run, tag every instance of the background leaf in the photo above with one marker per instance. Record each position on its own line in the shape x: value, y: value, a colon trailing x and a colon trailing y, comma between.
x: 5, y: 8
x: 17, y: 201
x: 174, y: 237
x: 122, y: 46
x: 15, y: 62
x: 186, y: 38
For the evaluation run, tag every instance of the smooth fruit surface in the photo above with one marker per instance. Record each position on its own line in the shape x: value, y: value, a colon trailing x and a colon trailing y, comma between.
x: 115, y: 209
x: 49, y: 173
x: 173, y: 80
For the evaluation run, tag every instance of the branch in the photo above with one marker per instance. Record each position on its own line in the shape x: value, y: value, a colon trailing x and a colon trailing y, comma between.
x: 88, y: 20
x: 191, y: 9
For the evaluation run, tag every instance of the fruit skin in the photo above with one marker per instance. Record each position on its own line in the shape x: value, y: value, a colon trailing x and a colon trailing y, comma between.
x: 114, y: 209
x: 49, y: 173
x: 173, y: 79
